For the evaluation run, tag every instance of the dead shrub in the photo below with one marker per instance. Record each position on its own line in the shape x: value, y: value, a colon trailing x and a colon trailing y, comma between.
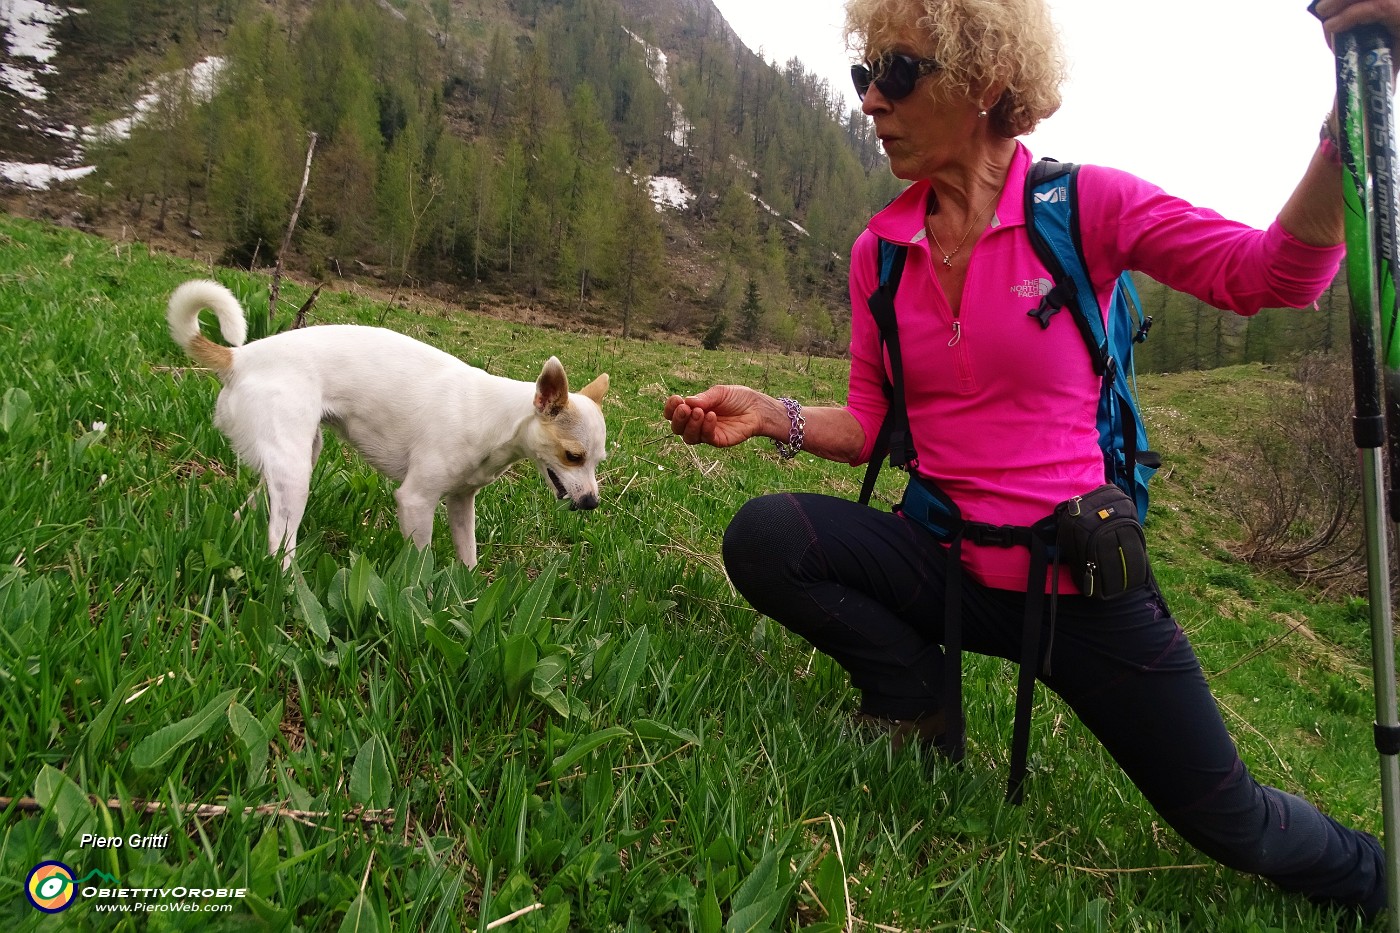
x: 1302, y: 480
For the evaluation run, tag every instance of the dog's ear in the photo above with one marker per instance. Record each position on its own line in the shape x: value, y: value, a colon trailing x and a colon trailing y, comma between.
x: 551, y: 389
x: 596, y: 389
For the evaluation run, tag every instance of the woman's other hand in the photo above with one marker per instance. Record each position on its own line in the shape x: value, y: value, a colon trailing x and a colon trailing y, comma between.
x: 723, y: 416
x: 1340, y: 15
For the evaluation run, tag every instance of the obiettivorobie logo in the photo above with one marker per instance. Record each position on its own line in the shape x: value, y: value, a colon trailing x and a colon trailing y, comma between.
x: 52, y: 887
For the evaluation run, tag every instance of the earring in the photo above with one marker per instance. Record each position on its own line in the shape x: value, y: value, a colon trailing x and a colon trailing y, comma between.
x: 981, y: 114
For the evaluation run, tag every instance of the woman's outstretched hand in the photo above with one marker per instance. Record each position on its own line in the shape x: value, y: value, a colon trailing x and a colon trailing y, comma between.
x: 721, y: 416
x: 1341, y: 15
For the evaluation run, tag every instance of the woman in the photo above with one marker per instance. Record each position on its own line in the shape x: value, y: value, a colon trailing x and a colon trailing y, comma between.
x: 1002, y: 417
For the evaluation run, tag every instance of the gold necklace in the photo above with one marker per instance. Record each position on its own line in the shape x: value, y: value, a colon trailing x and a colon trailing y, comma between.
x: 948, y: 256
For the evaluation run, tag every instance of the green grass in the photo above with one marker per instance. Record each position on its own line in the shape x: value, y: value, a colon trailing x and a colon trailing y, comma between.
x: 592, y: 720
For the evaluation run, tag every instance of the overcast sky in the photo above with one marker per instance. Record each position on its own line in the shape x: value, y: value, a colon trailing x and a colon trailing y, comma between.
x: 1217, y: 101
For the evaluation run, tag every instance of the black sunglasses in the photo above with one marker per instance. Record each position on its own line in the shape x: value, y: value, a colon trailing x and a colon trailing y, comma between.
x: 894, y: 74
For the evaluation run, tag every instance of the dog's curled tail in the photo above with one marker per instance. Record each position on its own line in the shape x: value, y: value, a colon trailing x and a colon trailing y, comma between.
x: 183, y: 316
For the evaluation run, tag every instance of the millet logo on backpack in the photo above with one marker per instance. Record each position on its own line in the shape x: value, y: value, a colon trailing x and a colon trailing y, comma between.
x: 1053, y: 196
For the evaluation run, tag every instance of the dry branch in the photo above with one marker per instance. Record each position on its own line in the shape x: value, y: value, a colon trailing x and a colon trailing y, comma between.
x: 300, y: 320
x: 383, y: 818
x: 276, y: 288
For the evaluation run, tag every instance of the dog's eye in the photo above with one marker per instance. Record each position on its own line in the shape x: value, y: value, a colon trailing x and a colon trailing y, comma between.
x: 574, y: 456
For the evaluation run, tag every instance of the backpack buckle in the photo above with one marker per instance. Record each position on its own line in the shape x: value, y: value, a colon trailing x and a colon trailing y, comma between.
x: 1051, y: 304
x: 1005, y: 536
x: 1141, y: 334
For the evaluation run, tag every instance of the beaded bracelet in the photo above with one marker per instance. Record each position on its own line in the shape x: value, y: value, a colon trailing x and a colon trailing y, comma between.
x: 797, y: 432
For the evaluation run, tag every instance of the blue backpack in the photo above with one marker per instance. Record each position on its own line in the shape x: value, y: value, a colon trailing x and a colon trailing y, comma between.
x: 1052, y: 221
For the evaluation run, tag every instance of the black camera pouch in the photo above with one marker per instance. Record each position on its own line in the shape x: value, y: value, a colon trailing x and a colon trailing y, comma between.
x: 1100, y: 539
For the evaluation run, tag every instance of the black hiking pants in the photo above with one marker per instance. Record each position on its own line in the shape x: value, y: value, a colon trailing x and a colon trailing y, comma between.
x: 866, y: 588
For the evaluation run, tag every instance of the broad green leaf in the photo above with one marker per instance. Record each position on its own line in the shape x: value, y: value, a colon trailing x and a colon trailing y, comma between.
x: 496, y: 595
x: 757, y: 902
x: 268, y: 914
x: 336, y: 593
x: 518, y: 658
x: 556, y: 701
x: 101, y: 724
x: 16, y: 409
x: 413, y: 567
x: 653, y: 730
x: 357, y: 585
x: 585, y: 746
x: 547, y: 675
x: 160, y: 746
x: 295, y: 794
x: 27, y: 616
x: 531, y: 607
x: 723, y: 851
x: 711, y: 919
x: 254, y: 738
x: 370, y: 780
x: 452, y: 651
x: 760, y: 881
x: 213, y: 557
x: 758, y: 916
x: 272, y: 721
x: 58, y: 795
x: 81, y: 445
x: 830, y: 886
x: 260, y: 871
x: 361, y: 917
x: 414, y: 603
x: 309, y: 608
x: 39, y: 606
x: 629, y: 664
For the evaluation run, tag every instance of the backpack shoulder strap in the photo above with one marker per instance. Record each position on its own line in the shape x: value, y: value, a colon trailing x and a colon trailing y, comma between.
x: 1052, y: 222
x: 893, y: 438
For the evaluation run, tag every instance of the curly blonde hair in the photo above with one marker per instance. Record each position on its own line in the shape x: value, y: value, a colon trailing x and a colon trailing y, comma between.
x: 979, y: 44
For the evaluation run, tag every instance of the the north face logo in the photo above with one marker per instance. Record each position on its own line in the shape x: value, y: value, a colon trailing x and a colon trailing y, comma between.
x: 1032, y: 288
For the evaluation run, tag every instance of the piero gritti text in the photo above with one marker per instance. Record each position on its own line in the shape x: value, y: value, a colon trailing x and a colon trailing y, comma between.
x: 134, y: 841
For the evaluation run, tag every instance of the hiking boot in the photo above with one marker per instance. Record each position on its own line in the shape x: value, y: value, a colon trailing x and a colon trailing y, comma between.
x: 928, y: 730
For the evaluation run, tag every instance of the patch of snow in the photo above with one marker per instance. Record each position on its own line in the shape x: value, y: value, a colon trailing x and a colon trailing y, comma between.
x: 204, y: 78
x: 763, y: 204
x: 28, y: 27
x: 40, y: 177
x: 798, y: 227
x: 669, y: 192
x: 743, y: 166
x: 23, y: 81
x: 656, y: 64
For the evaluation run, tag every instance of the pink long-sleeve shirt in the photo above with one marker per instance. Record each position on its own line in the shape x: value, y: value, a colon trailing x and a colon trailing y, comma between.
x: 1003, y: 419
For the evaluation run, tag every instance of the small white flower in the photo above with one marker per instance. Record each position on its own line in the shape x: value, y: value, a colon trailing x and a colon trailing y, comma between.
x: 99, y: 425
x: 102, y: 479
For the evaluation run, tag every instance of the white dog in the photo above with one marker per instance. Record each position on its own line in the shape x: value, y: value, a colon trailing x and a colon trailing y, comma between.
x: 439, y: 427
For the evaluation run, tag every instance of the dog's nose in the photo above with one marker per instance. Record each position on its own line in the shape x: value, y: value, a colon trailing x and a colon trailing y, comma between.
x: 589, y: 501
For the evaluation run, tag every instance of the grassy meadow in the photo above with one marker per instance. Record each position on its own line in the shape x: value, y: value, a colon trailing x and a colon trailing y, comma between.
x: 591, y: 731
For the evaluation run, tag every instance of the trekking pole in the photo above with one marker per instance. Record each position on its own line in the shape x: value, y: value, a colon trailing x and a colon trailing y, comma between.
x: 1366, y: 123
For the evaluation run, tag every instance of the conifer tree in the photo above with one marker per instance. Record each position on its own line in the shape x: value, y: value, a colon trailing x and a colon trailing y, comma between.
x: 751, y: 313
x: 638, y: 249
x: 251, y: 180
